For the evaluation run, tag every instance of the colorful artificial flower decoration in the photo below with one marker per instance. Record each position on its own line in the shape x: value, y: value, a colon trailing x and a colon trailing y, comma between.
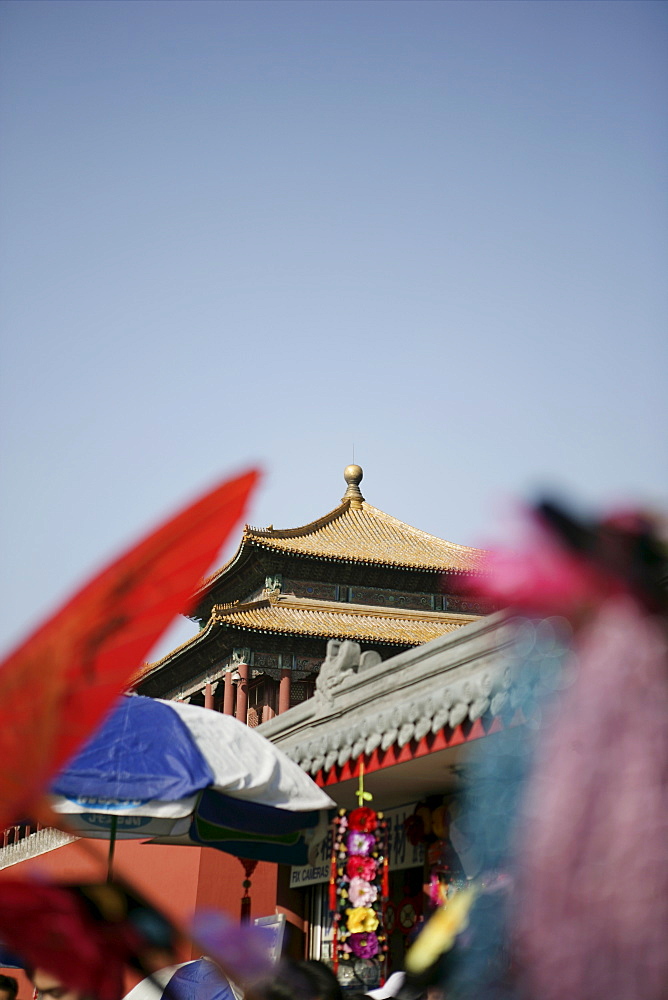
x: 361, y: 919
x: 363, y: 819
x: 359, y: 884
x: 358, y: 867
x: 361, y: 892
x: 360, y: 843
x: 364, y: 945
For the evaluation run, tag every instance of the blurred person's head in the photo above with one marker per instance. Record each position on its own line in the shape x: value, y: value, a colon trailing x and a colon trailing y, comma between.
x: 307, y: 980
x: 49, y: 987
x: 323, y: 981
x: 9, y: 988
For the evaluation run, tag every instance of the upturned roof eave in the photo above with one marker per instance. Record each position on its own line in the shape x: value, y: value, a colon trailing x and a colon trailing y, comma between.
x: 149, y: 669
x: 223, y: 618
x: 254, y: 536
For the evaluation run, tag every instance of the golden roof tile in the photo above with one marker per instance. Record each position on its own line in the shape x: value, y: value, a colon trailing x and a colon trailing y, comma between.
x: 286, y: 615
x: 333, y: 620
x: 358, y: 532
x: 363, y: 533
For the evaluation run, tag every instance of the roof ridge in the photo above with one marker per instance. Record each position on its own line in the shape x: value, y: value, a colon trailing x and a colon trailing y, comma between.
x: 305, y: 529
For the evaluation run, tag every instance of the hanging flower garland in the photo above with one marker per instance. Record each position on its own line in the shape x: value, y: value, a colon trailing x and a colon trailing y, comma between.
x: 359, y: 884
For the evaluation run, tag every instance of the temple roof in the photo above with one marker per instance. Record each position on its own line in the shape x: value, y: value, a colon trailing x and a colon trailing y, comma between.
x: 334, y: 620
x: 281, y: 614
x: 367, y: 534
x: 357, y: 532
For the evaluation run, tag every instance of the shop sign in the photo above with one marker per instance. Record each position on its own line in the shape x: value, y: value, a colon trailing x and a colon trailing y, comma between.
x: 402, y: 853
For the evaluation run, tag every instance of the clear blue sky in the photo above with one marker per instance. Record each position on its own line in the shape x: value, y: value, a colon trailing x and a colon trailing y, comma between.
x: 241, y: 232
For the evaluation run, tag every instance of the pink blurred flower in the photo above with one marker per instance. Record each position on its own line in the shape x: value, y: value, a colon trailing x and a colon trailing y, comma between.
x: 542, y: 577
x: 361, y: 893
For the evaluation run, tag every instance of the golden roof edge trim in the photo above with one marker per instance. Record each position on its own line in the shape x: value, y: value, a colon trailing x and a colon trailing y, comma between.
x: 147, y: 668
x: 251, y: 534
x: 289, y: 602
x: 305, y: 529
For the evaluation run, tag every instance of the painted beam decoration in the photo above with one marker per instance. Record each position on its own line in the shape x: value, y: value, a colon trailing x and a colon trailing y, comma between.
x: 359, y: 884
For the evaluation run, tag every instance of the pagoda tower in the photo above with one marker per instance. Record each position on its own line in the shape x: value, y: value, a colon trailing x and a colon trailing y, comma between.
x: 267, y: 615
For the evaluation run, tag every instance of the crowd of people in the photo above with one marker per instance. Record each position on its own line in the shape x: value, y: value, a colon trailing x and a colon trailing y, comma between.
x: 305, y: 980
x: 314, y: 980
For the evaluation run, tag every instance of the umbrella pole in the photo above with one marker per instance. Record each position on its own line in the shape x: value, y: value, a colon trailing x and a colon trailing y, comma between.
x: 112, y: 848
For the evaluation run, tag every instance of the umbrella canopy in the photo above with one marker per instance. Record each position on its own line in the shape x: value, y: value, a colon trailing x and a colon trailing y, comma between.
x: 172, y: 773
x: 199, y: 980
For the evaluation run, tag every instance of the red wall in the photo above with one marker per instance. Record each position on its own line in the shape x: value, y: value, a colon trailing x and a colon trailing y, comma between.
x: 177, y: 879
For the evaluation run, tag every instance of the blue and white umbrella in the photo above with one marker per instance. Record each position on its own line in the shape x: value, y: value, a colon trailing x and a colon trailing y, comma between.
x: 198, y: 980
x: 171, y: 773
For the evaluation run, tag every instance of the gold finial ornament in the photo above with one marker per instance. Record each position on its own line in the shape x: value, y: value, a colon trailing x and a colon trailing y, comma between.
x: 353, y: 476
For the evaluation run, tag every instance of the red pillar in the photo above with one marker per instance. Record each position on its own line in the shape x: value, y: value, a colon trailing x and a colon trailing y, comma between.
x: 208, y: 695
x: 267, y: 713
x: 242, y: 693
x: 284, y: 691
x: 228, y: 694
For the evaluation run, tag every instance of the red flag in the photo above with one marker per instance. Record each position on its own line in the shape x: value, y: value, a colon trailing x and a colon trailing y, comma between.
x: 56, y: 687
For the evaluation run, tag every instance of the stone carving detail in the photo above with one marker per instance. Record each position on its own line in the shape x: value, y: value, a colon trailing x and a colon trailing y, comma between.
x: 342, y: 660
x: 422, y: 727
x: 478, y: 708
x: 318, y: 756
x: 486, y: 690
x: 370, y: 658
x: 439, y: 720
x: 458, y: 714
x: 405, y: 734
x: 499, y: 702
